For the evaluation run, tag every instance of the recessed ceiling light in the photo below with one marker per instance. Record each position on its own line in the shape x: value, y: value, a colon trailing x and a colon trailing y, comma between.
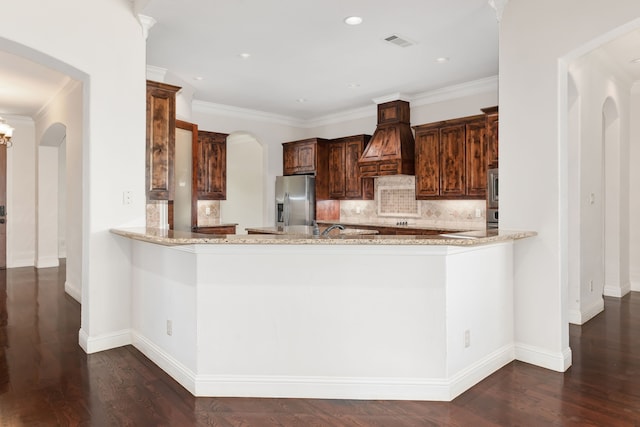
x: 245, y: 55
x: 442, y: 60
x: 353, y: 20
x: 353, y: 85
x: 636, y: 61
x: 301, y: 100
x: 198, y: 78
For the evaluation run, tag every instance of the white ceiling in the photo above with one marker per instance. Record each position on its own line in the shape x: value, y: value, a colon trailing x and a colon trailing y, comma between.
x: 302, y: 49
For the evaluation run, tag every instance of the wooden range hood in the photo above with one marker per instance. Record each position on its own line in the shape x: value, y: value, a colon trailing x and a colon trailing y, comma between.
x: 391, y: 150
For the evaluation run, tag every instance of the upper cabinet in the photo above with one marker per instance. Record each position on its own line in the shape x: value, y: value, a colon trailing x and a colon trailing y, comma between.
x: 451, y: 159
x: 210, y: 166
x: 161, y: 130
x: 345, y: 181
x: 308, y: 157
x: 304, y: 157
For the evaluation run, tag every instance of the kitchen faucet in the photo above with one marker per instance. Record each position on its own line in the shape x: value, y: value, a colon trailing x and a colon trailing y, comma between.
x: 332, y: 227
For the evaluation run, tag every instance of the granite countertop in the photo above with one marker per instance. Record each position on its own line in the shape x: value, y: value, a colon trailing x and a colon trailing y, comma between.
x: 306, y: 230
x: 391, y: 225
x: 467, y: 238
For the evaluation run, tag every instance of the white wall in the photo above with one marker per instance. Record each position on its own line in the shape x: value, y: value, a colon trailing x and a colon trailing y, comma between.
x: 111, y: 66
x: 246, y: 199
x: 21, y: 194
x: 537, y: 39
x: 634, y: 189
x: 64, y: 111
x: 598, y: 84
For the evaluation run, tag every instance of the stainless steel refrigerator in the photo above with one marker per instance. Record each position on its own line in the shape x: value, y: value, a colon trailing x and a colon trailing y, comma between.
x: 295, y: 200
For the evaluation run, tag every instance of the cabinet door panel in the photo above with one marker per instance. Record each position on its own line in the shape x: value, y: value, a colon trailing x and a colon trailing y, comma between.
x: 306, y: 154
x: 289, y: 159
x: 161, y: 128
x: 211, y: 166
x: 452, y: 158
x: 336, y: 170
x: 476, y: 164
x: 427, y: 163
x: 353, y: 182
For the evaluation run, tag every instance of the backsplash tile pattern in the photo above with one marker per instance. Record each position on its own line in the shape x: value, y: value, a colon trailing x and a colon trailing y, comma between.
x: 157, y: 213
x: 214, y: 212
x: 397, y: 201
x: 448, y: 214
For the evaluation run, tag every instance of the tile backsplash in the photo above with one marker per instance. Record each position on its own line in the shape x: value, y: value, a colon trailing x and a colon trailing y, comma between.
x: 208, y: 213
x: 395, y: 201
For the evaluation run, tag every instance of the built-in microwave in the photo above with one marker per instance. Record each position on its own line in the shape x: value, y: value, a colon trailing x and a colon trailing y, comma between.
x: 492, y: 188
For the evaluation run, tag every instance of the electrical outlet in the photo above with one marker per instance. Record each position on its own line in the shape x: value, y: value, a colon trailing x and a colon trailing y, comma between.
x: 467, y: 338
x: 207, y: 211
x: 127, y: 197
x: 478, y: 212
x: 169, y: 327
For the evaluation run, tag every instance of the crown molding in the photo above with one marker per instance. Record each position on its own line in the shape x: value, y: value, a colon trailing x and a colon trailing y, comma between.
x: 64, y: 91
x: 489, y: 84
x: 498, y: 6
x: 245, y: 113
x: 12, y: 119
x: 392, y: 97
x: 147, y: 23
x: 156, y: 74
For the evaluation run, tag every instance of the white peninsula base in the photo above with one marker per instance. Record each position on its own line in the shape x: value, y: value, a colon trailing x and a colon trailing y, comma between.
x: 414, y: 322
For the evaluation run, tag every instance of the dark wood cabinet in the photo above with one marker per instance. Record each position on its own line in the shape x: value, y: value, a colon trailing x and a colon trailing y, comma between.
x: 451, y: 159
x: 344, y: 175
x: 304, y: 156
x: 308, y: 157
x: 492, y: 136
x: 399, y: 230
x: 216, y: 229
x: 210, y: 166
x: 160, y: 144
x: 476, y: 159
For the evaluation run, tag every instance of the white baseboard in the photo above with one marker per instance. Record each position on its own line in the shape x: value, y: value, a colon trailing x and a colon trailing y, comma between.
x: 183, y: 375
x: 47, y: 262
x: 94, y: 344
x: 273, y: 386
x: 73, y: 291
x: 559, y: 362
x: 578, y: 317
x: 20, y: 262
x: 617, y: 291
x: 475, y: 373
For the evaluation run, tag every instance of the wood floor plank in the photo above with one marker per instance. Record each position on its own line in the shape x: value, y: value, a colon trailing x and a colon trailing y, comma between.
x: 47, y: 380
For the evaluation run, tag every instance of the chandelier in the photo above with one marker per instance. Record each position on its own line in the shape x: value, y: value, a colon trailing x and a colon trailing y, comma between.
x: 6, y: 132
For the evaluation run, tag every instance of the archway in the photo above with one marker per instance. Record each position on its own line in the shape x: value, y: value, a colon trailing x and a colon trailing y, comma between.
x: 50, y: 196
x: 245, y: 203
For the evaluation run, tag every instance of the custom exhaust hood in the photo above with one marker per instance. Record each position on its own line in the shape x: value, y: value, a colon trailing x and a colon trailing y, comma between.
x: 391, y: 150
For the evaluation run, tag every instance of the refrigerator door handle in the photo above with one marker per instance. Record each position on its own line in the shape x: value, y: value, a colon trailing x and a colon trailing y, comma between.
x: 287, y: 209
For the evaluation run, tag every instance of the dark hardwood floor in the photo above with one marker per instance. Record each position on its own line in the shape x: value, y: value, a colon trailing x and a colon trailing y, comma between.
x: 46, y: 379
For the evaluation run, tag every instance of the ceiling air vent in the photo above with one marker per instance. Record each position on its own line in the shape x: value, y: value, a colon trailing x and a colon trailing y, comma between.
x: 399, y: 40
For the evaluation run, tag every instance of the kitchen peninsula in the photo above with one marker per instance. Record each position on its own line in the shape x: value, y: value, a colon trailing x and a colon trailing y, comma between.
x: 354, y: 317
